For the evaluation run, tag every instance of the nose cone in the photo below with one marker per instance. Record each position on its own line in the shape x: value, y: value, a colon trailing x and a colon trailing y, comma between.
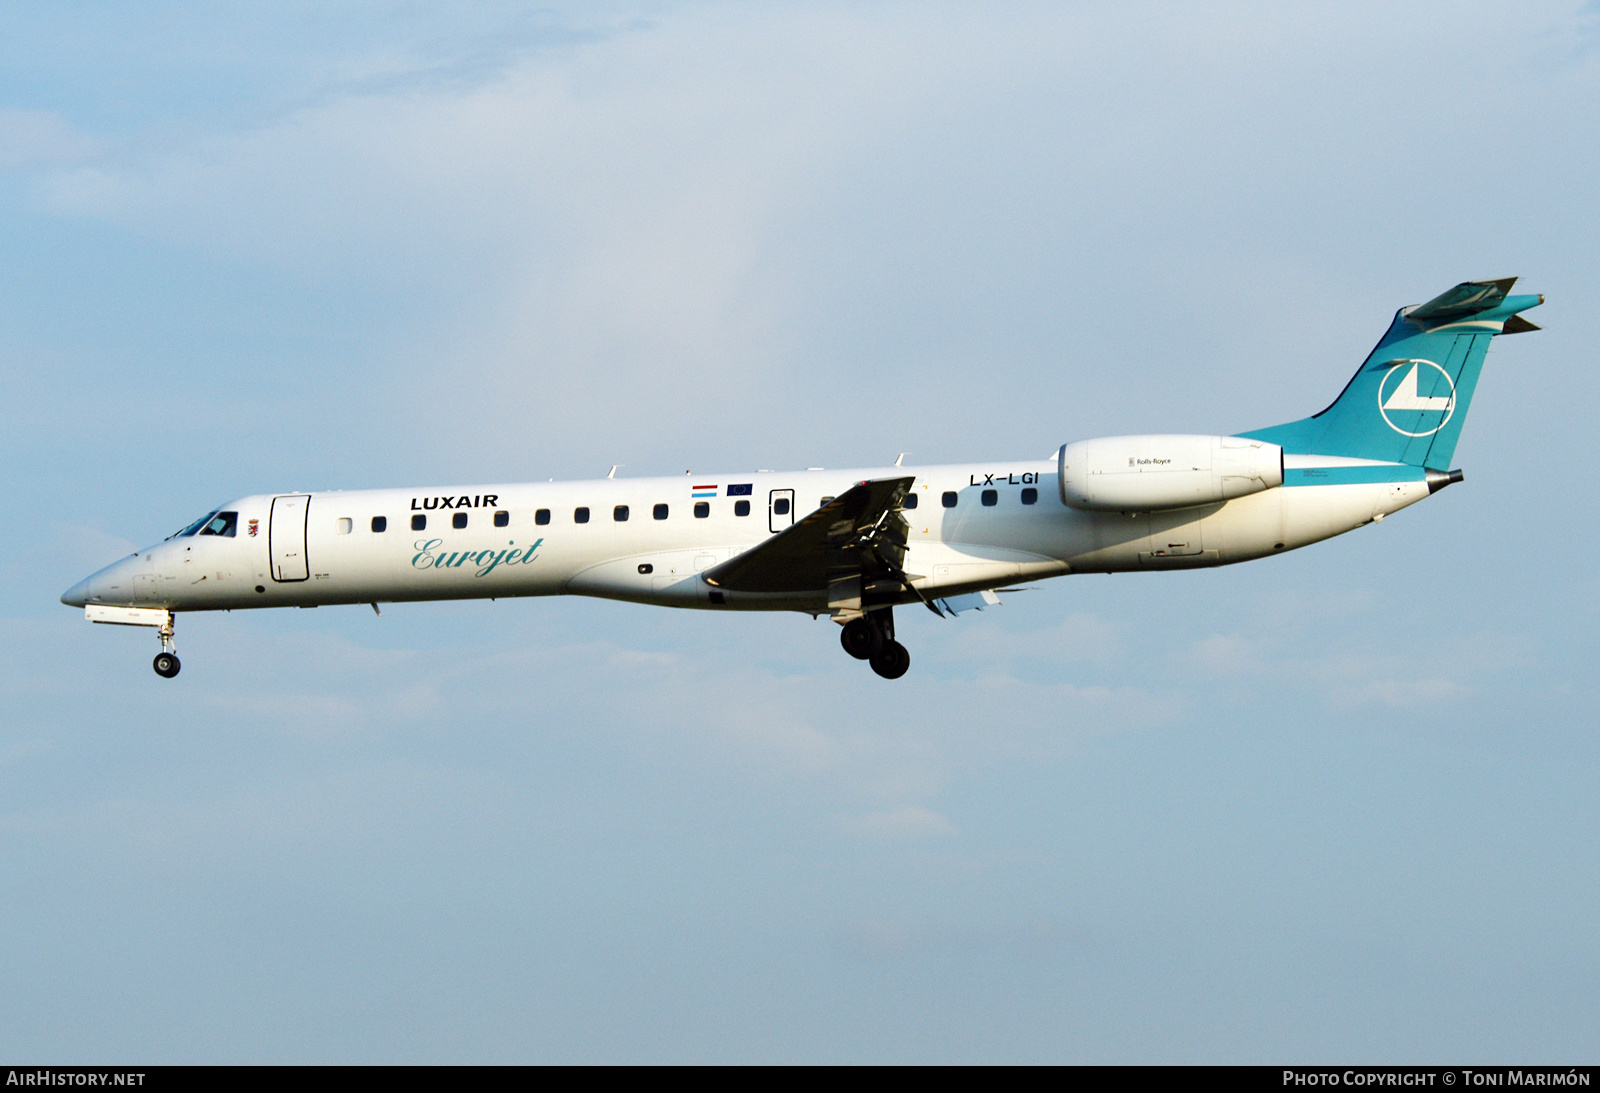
x: 77, y: 595
x: 106, y: 586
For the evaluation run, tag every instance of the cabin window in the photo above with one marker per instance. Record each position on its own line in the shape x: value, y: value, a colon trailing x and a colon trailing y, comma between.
x: 502, y: 518
x: 1030, y: 496
x: 948, y: 499
x: 541, y: 517
x: 419, y: 522
x: 910, y: 502
x: 580, y: 516
x: 620, y: 513
x: 345, y: 525
x: 646, y: 567
x: 741, y: 508
x: 659, y: 512
x: 702, y: 509
x: 380, y: 523
x: 990, y: 498
x: 224, y: 523
x: 781, y: 506
x: 459, y: 520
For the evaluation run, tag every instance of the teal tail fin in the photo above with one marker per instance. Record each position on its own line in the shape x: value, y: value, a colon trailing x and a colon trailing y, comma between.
x: 1408, y: 401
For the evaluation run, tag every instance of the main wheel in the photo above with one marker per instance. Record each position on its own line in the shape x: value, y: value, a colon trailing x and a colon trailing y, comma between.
x: 166, y: 665
x: 861, y: 639
x: 891, y: 661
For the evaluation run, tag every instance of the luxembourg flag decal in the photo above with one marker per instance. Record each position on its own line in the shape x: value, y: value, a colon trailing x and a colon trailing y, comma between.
x: 703, y: 491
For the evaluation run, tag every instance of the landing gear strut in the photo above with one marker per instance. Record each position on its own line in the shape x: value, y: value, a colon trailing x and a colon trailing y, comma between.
x: 871, y: 638
x: 166, y: 662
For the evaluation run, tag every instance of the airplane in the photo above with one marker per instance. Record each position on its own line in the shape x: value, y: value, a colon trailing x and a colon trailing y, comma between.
x: 851, y: 544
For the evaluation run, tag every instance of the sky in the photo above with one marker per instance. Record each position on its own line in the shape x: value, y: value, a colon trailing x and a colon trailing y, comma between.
x: 1336, y: 805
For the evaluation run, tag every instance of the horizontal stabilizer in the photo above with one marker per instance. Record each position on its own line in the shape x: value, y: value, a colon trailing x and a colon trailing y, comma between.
x: 1467, y: 298
x: 1518, y: 325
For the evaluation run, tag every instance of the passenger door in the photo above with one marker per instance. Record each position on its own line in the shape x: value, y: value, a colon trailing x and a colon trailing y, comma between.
x: 286, y: 538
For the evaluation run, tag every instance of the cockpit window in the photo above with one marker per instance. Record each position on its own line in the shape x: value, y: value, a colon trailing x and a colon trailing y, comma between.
x: 222, y: 523
x: 195, y: 527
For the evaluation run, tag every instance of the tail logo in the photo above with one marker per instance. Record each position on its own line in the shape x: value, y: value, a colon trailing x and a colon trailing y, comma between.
x: 1397, y: 394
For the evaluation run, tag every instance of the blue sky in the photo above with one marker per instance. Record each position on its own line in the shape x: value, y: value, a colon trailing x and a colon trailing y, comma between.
x: 1339, y: 804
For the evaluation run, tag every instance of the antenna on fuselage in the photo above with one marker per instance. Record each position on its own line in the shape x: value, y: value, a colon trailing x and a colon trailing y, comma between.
x: 612, y: 473
x: 899, y: 457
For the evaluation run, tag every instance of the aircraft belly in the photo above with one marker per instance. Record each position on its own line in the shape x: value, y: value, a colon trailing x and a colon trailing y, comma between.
x: 959, y: 567
x: 671, y: 578
x: 1314, y: 513
x: 1290, y: 517
x: 1238, y: 530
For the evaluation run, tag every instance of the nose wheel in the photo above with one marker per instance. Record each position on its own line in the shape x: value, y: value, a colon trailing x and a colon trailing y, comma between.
x: 871, y: 638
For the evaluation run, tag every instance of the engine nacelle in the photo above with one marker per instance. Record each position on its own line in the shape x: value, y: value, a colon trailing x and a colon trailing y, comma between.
x: 1145, y: 473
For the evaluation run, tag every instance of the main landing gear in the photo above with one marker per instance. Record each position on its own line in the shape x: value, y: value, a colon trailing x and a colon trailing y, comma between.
x: 166, y: 662
x: 871, y: 638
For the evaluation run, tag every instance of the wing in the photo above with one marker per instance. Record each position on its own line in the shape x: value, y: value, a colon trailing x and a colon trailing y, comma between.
x: 860, y: 533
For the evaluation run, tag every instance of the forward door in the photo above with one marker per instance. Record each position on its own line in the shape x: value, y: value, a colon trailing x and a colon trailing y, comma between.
x: 286, y: 538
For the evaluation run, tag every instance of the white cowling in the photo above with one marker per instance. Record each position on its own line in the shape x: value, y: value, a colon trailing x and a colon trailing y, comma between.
x: 1144, y: 473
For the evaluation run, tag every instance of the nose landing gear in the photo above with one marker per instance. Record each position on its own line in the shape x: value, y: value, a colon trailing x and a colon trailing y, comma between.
x: 166, y: 663
x: 870, y: 637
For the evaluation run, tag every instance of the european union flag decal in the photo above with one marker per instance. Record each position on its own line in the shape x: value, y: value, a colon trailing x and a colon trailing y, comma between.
x: 740, y: 490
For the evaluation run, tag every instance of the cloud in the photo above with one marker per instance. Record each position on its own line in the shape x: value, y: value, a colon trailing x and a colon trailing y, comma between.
x: 1402, y: 692
x: 1026, y: 942
x: 1334, y: 672
x: 992, y: 639
x: 83, y: 548
x: 911, y: 822
x: 1226, y: 654
x: 41, y: 138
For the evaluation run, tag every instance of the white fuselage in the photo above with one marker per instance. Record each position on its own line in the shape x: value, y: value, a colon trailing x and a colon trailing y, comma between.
x: 540, y: 548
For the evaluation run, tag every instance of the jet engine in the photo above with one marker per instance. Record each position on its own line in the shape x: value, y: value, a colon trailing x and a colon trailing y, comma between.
x: 1145, y: 473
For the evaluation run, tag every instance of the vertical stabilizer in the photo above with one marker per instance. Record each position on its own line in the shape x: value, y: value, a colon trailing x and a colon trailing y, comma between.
x: 1408, y: 401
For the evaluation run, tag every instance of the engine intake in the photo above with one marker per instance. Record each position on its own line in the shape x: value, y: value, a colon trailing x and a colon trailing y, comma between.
x: 1166, y: 471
